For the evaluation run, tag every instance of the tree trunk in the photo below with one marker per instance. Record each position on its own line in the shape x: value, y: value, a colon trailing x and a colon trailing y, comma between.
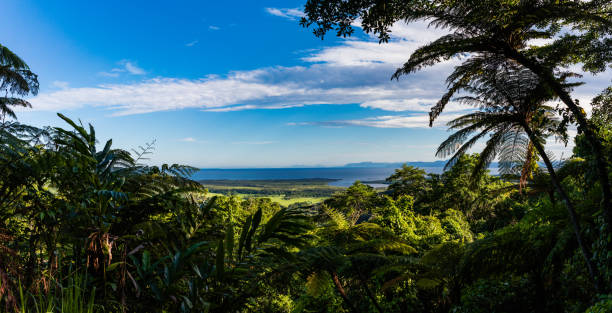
x: 364, y: 284
x: 551, y: 195
x: 342, y: 292
x: 602, y: 170
x: 31, y: 263
x: 568, y: 204
x: 540, y: 292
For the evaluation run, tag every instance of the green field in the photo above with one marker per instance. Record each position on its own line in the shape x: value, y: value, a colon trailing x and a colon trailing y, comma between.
x: 285, y: 192
x: 277, y: 198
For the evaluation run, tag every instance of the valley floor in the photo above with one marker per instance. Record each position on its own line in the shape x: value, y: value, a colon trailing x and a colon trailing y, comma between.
x: 285, y: 192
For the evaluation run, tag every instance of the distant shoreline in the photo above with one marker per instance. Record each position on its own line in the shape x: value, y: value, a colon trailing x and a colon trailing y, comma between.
x: 337, y: 176
x: 254, y: 181
x: 364, y: 165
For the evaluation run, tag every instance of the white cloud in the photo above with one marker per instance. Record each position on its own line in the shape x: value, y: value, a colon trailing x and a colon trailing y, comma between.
x: 291, y: 14
x: 213, y: 27
x: 267, y: 88
x: 405, y: 39
x: 272, y: 88
x: 253, y: 142
x: 109, y: 74
x: 419, y: 31
x: 159, y: 95
x: 60, y: 84
x: 356, y: 71
x: 126, y: 67
x: 193, y: 140
x: 363, y: 53
x: 192, y: 43
x: 387, y: 121
x: 133, y: 69
x: 415, y: 104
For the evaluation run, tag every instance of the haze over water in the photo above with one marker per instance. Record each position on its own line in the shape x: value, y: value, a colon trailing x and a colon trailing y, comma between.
x: 345, y: 176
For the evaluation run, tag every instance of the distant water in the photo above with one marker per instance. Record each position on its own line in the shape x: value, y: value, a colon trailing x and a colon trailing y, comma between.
x: 345, y: 176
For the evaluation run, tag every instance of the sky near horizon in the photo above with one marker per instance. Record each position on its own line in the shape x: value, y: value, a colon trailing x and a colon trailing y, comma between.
x: 222, y: 84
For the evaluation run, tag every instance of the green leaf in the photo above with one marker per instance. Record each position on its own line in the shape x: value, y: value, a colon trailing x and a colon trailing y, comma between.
x: 254, y: 225
x: 243, y: 235
x: 426, y: 283
x: 113, y: 266
x: 220, y: 260
x: 229, y: 240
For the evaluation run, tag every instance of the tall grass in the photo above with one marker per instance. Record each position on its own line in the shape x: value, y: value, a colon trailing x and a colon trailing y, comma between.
x: 71, y: 297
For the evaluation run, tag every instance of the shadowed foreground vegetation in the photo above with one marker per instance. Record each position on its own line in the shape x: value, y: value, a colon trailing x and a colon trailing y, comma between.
x: 88, y: 227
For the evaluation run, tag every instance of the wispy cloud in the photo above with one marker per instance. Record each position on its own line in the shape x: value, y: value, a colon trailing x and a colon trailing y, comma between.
x: 192, y: 43
x: 126, y: 66
x: 253, y: 142
x: 387, y: 121
x: 132, y: 68
x: 193, y: 140
x: 60, y: 84
x: 414, y: 104
x: 291, y: 14
x: 370, y: 53
x: 109, y: 74
x: 213, y: 27
x: 352, y: 72
x: 273, y: 88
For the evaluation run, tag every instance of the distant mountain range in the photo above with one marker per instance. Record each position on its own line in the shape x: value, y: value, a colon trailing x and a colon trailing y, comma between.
x: 366, y: 164
x: 399, y: 164
x: 396, y: 164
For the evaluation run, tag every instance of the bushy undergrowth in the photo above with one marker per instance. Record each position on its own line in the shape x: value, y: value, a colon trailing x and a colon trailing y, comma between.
x: 88, y: 227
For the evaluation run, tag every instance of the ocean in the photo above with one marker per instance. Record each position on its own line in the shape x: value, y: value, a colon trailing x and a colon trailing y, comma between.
x: 345, y: 176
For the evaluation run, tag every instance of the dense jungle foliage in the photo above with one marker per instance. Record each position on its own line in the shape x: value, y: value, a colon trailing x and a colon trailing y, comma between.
x: 87, y: 227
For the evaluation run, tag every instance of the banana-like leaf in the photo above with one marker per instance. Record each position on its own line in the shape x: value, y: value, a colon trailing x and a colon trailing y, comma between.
x: 220, y: 260
x: 243, y: 235
x: 254, y: 225
x: 229, y: 240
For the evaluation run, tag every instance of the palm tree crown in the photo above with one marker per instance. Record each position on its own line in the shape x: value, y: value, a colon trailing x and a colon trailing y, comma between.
x: 16, y: 80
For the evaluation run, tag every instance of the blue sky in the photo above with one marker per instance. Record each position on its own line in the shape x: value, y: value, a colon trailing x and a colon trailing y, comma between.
x: 230, y: 84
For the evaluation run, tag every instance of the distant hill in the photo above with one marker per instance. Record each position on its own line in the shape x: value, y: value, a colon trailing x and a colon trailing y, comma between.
x: 396, y: 164
x: 399, y: 164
